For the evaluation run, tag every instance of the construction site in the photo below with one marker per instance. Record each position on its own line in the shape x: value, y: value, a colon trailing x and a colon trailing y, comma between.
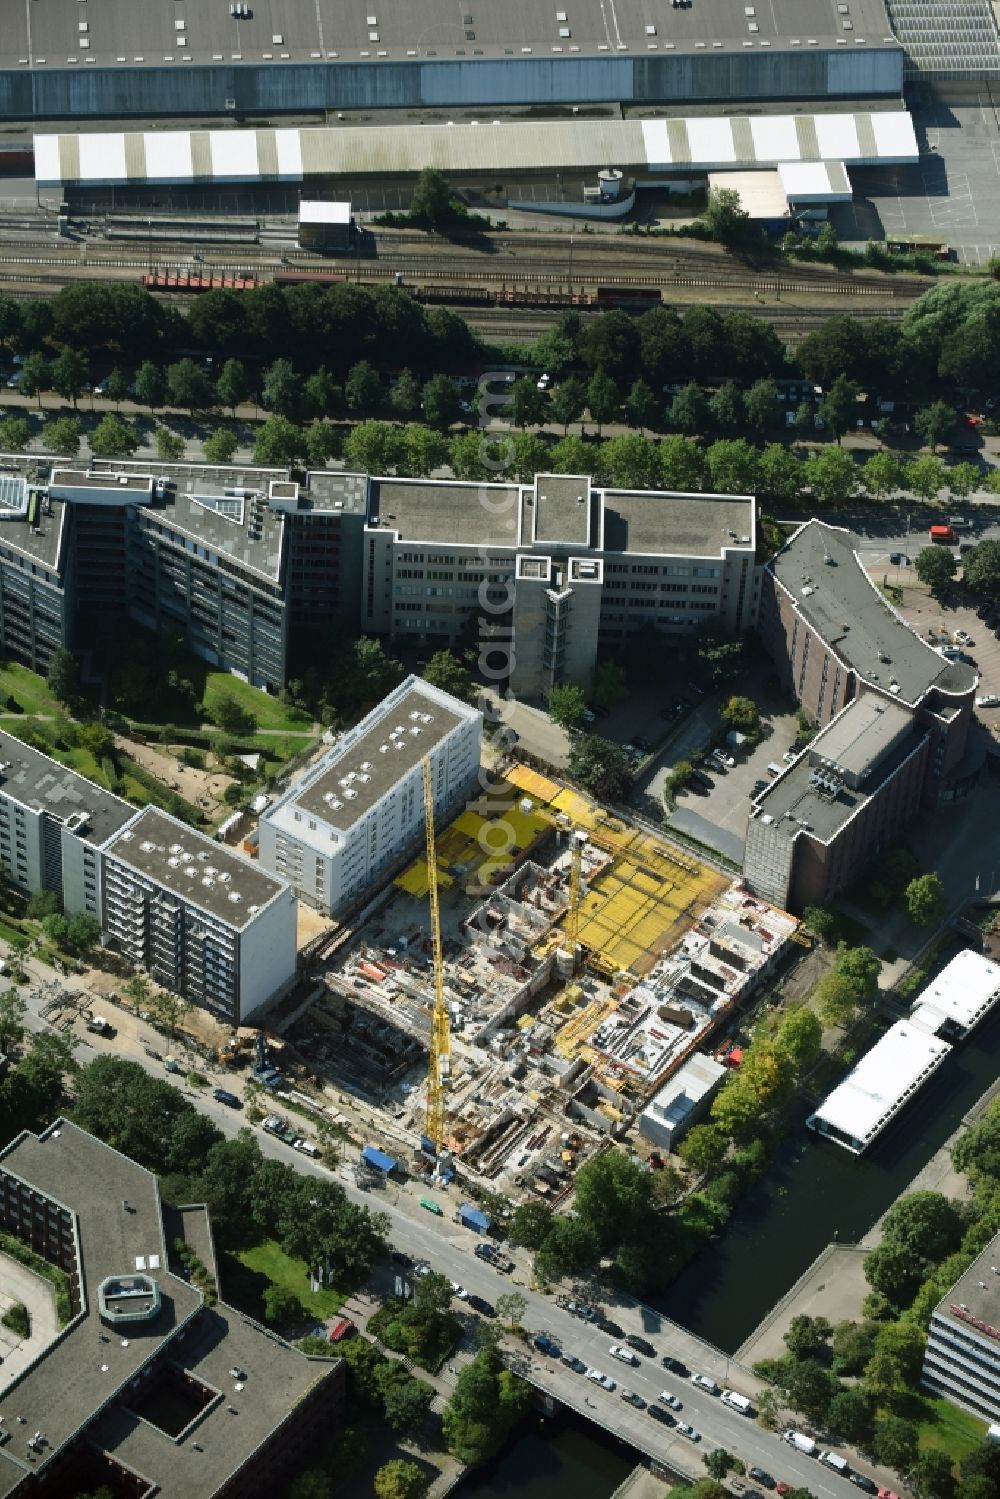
x: 520, y: 990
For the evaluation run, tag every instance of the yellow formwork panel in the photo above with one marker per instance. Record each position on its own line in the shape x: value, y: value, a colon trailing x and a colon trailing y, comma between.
x: 533, y: 783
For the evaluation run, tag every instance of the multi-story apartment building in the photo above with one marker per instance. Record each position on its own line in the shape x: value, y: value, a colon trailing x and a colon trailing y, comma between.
x: 342, y: 828
x: 36, y: 599
x: 893, y: 715
x: 962, y: 1357
x: 146, y: 1388
x: 53, y: 825
x: 557, y: 567
x: 202, y: 920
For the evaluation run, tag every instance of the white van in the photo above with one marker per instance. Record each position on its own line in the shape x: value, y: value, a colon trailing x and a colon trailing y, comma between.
x: 307, y: 1148
x: 737, y: 1401
x: 836, y: 1462
x: 801, y: 1442
x: 774, y: 769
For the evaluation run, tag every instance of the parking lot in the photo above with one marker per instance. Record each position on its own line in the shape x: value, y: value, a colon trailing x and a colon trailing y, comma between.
x: 937, y: 623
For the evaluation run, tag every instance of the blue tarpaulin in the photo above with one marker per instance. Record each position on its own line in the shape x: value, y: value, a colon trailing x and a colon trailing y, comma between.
x: 474, y: 1217
x: 378, y: 1159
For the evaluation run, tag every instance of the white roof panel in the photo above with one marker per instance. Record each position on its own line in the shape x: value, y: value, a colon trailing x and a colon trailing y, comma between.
x: 102, y: 157
x: 288, y: 144
x: 815, y: 182
x: 837, y: 136
x: 47, y: 167
x: 711, y: 141
x: 894, y: 137
x: 168, y: 155
x: 882, y: 1082
x: 963, y: 992
x: 656, y: 142
x: 775, y: 138
x: 324, y: 213
x: 234, y: 153
x: 761, y: 193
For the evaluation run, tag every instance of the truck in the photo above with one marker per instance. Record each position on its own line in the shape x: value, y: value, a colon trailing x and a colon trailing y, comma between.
x: 943, y: 535
x: 98, y: 1025
x: 801, y: 1442
x: 280, y: 1129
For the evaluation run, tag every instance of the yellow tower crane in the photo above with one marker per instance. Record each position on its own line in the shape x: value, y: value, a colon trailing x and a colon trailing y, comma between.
x: 572, y: 924
x: 439, y: 1063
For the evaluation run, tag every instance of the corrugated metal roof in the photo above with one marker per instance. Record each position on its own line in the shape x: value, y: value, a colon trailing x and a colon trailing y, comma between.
x: 705, y: 142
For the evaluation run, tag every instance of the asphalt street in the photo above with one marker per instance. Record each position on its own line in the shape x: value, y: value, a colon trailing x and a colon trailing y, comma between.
x: 449, y: 1249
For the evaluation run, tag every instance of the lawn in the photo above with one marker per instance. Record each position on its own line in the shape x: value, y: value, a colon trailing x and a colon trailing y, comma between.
x: 28, y: 689
x: 946, y: 1428
x: 247, y: 1273
x: 270, y: 712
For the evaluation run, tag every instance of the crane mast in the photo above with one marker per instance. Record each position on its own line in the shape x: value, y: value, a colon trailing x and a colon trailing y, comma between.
x: 572, y: 922
x: 439, y: 1062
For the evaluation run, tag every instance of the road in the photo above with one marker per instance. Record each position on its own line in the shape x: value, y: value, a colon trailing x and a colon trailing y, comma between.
x: 450, y: 1250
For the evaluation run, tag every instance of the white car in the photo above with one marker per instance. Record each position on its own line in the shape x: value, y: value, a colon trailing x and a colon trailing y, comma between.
x: 990, y: 700
x: 688, y: 1431
x: 600, y: 1378
x: 543, y: 382
x: 458, y: 1290
x: 962, y: 637
x: 421, y: 1268
x: 623, y: 1354
x: 668, y: 1399
x: 705, y: 1382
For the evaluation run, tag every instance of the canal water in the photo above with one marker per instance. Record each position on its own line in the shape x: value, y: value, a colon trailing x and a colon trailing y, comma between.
x: 812, y: 1193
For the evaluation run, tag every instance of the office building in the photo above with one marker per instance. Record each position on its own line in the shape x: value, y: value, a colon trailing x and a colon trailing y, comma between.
x: 962, y: 1357
x: 352, y: 818
x: 893, y: 715
x: 145, y: 1388
x: 573, y: 568
x: 54, y: 825
x: 202, y: 920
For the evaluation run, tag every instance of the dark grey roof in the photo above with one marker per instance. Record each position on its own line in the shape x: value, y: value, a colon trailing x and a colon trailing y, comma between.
x: 431, y: 510
x: 561, y: 503
x: 42, y: 784
x: 44, y: 541
x: 668, y: 524
x: 820, y: 570
x: 202, y: 872
x: 977, y: 1291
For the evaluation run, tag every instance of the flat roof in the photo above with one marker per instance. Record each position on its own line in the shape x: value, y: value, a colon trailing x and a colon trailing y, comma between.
x: 975, y: 1296
x: 820, y: 570
x: 311, y: 30
x: 964, y: 992
x: 202, y: 872
x: 321, y: 211
x: 667, y: 523
x: 857, y: 739
x: 41, y: 783
x: 681, y: 143
x: 761, y: 193
x: 109, y: 477
x: 437, y: 510
x: 366, y: 763
x: 698, y: 1076
x: 875, y: 1090
x: 797, y: 802
x: 42, y: 540
x: 561, y: 503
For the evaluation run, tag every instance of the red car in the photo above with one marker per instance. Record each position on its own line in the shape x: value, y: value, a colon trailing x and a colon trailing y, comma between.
x: 782, y: 1488
x: 344, y: 1328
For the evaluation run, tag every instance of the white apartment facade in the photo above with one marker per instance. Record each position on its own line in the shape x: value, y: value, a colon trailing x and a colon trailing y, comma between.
x: 962, y: 1357
x: 200, y: 919
x: 342, y: 828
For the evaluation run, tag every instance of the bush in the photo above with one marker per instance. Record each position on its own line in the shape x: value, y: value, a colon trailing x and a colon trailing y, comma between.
x: 17, y: 1319
x: 59, y: 1278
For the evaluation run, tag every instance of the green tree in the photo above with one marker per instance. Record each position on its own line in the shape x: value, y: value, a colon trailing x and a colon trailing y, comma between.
x: 895, y: 1443
x: 56, y: 929
x: 609, y: 685
x: 882, y: 475
x: 852, y: 1416
x: 810, y: 1388
x: 113, y: 438
x: 530, y: 1224
x: 603, y: 398
x: 36, y: 376
x: 962, y: 479
x: 682, y: 465
x: 282, y: 1307
x: 62, y: 436
x: 568, y: 401
x: 629, y: 462
x: 726, y: 409
x: 430, y: 202
x: 404, y: 397
x: 981, y: 568
x: 600, y: 766
x: 188, y: 386
x: 487, y: 1402
x: 15, y: 434
x: 926, y: 901
x: 12, y: 1012
x: 807, y: 1336
x: 232, y: 387
x: 150, y: 385
x: 44, y: 903
x: 733, y: 466
x: 977, y: 1152
x: 725, y: 218
x: 313, y: 1484
x: 170, y: 446
x: 231, y: 716
x: 405, y: 1400
x: 64, y: 675
x: 363, y: 388
x: 853, y: 1344
x: 742, y: 714
x: 220, y: 445
x: 935, y: 566
x: 641, y: 406
x: 424, y: 450
x: 936, y: 424
x: 822, y: 921
x: 567, y: 705
x: 511, y: 1307
x: 380, y: 448
x: 278, y: 442
x: 83, y: 933
x: 832, y: 476
x: 762, y: 407
x: 718, y: 655
x: 282, y: 389
x: 719, y: 1462
x: 799, y: 1038
x: 400, y: 1479
x: 839, y: 407
x: 689, y: 410
x: 896, y: 1271
x: 926, y: 477
x: 445, y: 671
x: 805, y: 419
x: 925, y: 1222
x: 69, y: 373
x: 703, y: 1149
x: 322, y: 442
x: 442, y: 402
x: 116, y: 387
x: 932, y: 1475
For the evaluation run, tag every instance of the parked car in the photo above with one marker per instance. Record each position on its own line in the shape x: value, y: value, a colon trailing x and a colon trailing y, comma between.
x: 422, y: 1268
x: 482, y: 1306
x: 674, y: 1365
x: 705, y: 1382
x: 641, y: 1345
x: 670, y: 1399
x: 988, y: 700
x: 962, y: 637
x: 398, y: 1257
x: 633, y: 1399
x: 688, y: 1431
x: 459, y: 1291
x: 863, y: 1482
x: 604, y: 1380
x: 899, y: 559
x: 545, y: 1344
x: 761, y: 1476
x: 574, y: 1363
x: 484, y: 1252
x: 223, y: 1095
x: 659, y: 1414
x: 623, y: 1354
x: 543, y: 382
